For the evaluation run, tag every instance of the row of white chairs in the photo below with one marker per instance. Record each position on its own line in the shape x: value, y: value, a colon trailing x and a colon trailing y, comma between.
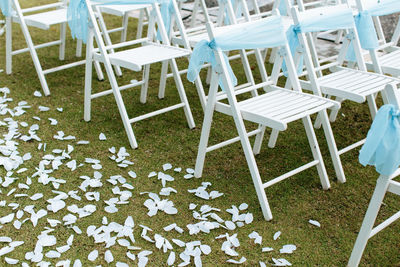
x: 329, y: 84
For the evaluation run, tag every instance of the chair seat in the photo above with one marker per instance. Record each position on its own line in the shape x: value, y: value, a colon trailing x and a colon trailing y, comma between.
x: 390, y: 62
x: 45, y: 20
x: 136, y: 58
x: 121, y: 10
x: 353, y: 84
x: 277, y: 108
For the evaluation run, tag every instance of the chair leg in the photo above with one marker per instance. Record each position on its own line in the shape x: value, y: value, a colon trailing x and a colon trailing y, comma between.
x: 318, y: 122
x: 124, y: 32
x: 259, y: 139
x: 205, y: 129
x: 251, y: 162
x: 8, y: 45
x: 273, y: 138
x: 209, y: 74
x: 372, y: 106
x: 247, y: 70
x: 88, y: 78
x: 145, y: 85
x: 337, y: 163
x: 369, y: 220
x: 34, y: 56
x: 182, y: 94
x: 121, y: 106
x: 273, y: 55
x: 200, y: 92
x: 140, y: 24
x: 79, y: 45
x: 163, y: 80
x: 63, y: 33
x: 334, y: 113
x: 312, y: 140
x: 99, y: 72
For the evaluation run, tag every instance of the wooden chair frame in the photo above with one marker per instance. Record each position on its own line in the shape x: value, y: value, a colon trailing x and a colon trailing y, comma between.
x: 384, y: 184
x: 241, y: 113
x: 42, y: 20
x: 131, y: 61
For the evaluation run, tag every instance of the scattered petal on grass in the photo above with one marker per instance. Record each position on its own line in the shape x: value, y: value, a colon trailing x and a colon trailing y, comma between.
x: 315, y: 223
x: 257, y: 238
x: 11, y: 261
x: 288, y: 249
x: 102, y: 137
x: 267, y: 249
x: 43, y: 108
x: 37, y: 94
x: 82, y: 142
x: 132, y: 174
x: 167, y: 166
x: 242, y: 260
x: 277, y: 235
x: 281, y: 262
x: 108, y: 256
x: 53, y: 121
x: 93, y: 255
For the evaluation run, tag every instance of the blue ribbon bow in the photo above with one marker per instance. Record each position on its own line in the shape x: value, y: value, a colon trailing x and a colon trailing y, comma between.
x: 382, y: 147
x: 204, y: 53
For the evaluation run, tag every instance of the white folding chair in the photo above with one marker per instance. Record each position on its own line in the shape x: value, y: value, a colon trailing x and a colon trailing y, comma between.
x: 385, y: 55
x: 341, y: 82
x: 41, y: 19
x: 136, y: 59
x: 385, y: 183
x: 274, y: 109
x: 193, y: 36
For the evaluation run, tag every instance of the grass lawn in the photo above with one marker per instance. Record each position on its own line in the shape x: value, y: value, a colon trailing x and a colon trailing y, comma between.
x: 167, y: 139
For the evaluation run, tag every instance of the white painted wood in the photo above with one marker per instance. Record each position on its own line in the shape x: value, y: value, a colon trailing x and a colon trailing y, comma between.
x: 275, y: 109
x: 43, y: 20
x: 137, y: 59
x: 341, y: 83
x: 384, y: 184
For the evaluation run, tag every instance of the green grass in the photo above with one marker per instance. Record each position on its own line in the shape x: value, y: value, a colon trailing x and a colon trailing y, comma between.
x: 166, y: 138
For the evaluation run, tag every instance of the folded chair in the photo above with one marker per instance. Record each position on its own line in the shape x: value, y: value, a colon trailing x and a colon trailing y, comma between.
x: 385, y: 129
x: 333, y: 79
x: 41, y: 19
x: 274, y: 109
x: 136, y: 59
x: 372, y: 38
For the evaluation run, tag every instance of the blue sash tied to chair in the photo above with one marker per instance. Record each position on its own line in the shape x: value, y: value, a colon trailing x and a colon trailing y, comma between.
x: 259, y: 34
x: 382, y: 147
x: 5, y: 6
x: 78, y: 14
x: 365, y: 24
x: 333, y: 20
